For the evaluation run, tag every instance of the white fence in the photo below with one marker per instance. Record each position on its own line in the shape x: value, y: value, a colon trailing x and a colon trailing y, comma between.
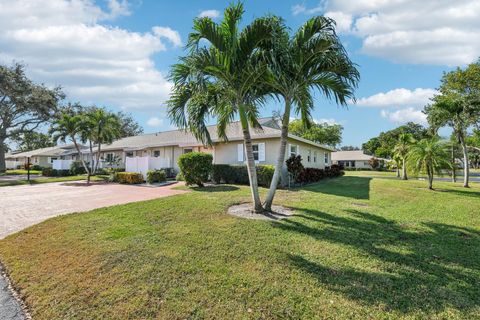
x: 10, y: 164
x: 62, y: 164
x: 143, y: 164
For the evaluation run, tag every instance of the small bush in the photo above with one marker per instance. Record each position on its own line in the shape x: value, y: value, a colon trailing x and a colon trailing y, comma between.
x: 169, y: 172
x: 49, y: 172
x: 36, y: 167
x: 294, y: 166
x: 179, y: 177
x: 265, y: 175
x: 154, y: 176
x: 128, y: 177
x: 195, y: 167
x: 77, y: 168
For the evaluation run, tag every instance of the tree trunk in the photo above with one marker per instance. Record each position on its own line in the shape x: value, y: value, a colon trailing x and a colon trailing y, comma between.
x: 404, y: 170
x: 97, y: 157
x: 3, y: 166
x: 430, y: 179
x: 454, y: 173
x: 251, y: 169
x: 398, y: 172
x: 87, y: 169
x: 280, y: 158
x: 466, y: 166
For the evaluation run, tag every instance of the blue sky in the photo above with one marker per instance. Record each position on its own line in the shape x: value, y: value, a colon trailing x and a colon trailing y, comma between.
x: 117, y: 53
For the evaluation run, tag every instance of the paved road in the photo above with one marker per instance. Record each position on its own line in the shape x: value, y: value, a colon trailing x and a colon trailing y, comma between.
x: 23, y: 206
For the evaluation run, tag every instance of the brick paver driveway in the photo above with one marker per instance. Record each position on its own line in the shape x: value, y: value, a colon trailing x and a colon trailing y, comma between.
x: 23, y: 206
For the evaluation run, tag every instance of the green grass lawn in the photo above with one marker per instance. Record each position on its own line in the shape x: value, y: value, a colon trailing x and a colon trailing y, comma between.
x: 358, y: 248
x: 20, y: 171
x: 48, y: 180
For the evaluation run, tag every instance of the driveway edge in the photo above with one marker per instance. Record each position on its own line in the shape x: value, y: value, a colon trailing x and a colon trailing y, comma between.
x: 12, y: 294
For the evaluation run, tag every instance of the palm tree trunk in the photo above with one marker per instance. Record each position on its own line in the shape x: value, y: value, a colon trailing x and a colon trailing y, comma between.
x: 281, y: 157
x: 466, y: 166
x: 398, y: 171
x: 97, y: 157
x: 251, y: 169
x: 430, y: 179
x: 454, y: 173
x: 404, y: 169
x: 3, y: 166
x: 87, y: 169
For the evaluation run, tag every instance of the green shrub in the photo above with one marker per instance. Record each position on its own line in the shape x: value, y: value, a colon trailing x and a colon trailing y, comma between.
x: 179, y: 177
x: 238, y: 174
x: 128, y: 177
x: 49, y: 172
x: 154, y: 176
x: 36, y: 167
x: 195, y: 167
x: 77, y: 168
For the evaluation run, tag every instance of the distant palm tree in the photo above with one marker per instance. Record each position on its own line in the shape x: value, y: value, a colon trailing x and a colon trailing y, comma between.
x: 401, y: 151
x: 222, y: 77
x: 312, y: 58
x: 429, y: 156
x: 100, y: 127
x: 68, y: 126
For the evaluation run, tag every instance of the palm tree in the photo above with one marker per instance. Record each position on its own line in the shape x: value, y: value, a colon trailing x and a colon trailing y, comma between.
x: 100, y: 127
x: 68, y: 126
x: 222, y: 77
x: 429, y: 156
x: 405, y: 141
x: 313, y: 58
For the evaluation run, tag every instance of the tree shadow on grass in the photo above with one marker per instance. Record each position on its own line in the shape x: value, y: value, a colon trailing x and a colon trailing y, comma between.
x: 216, y: 188
x: 422, y: 270
x: 350, y: 187
x: 474, y: 194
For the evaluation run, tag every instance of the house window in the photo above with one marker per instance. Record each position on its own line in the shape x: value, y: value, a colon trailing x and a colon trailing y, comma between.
x: 293, y: 150
x: 314, y: 156
x: 326, y: 158
x: 53, y: 158
x: 352, y: 164
x: 188, y: 150
x: 255, y: 152
x: 129, y: 154
x: 109, y: 157
x: 309, y: 156
x: 156, y: 153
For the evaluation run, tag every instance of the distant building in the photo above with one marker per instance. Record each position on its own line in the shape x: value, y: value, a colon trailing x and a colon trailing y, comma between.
x: 353, y: 159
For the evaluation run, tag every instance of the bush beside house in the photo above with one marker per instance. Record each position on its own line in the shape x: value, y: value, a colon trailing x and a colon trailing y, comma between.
x: 195, y: 167
x: 156, y: 176
x: 303, y: 175
x: 238, y: 174
x: 128, y: 177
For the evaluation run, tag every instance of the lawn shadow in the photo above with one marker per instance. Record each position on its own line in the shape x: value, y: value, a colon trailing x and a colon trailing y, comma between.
x: 474, y: 194
x: 350, y: 187
x: 426, y: 269
x: 216, y: 188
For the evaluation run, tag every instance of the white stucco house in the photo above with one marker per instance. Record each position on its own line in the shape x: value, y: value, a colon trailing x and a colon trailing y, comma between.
x: 353, y: 159
x: 44, y: 157
x: 162, y: 149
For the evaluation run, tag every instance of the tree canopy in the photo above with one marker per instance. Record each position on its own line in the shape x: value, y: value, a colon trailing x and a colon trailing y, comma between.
x: 322, y: 133
x: 32, y: 140
x: 384, y: 144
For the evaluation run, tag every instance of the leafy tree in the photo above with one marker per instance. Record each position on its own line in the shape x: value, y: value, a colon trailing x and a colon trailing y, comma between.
x: 222, y: 77
x: 349, y: 148
x: 322, y: 133
x: 383, y: 145
x: 24, y: 105
x: 429, y: 156
x: 128, y: 125
x: 401, y: 150
x: 313, y: 58
x: 32, y: 140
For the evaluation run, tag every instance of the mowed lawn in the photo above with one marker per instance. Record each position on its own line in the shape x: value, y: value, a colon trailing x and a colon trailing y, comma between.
x: 358, y: 248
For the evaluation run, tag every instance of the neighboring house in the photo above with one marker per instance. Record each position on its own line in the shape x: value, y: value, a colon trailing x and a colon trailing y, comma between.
x: 44, y: 157
x: 353, y: 159
x: 162, y: 149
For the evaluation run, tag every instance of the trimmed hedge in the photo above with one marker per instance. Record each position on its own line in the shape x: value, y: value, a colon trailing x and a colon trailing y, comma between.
x: 238, y: 174
x: 77, y: 168
x: 49, y: 172
x: 195, y: 167
x: 154, y: 176
x: 128, y: 177
x: 311, y: 175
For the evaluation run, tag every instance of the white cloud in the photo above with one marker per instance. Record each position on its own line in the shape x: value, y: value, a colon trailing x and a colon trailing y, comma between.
x: 398, y: 98
x: 405, y: 115
x: 438, y: 32
x: 65, y: 43
x: 209, y: 13
x: 155, y: 122
x: 329, y: 121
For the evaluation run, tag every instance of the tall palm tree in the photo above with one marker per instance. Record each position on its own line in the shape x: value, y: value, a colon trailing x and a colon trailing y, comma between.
x: 429, y: 156
x: 68, y: 127
x: 222, y: 77
x: 100, y: 127
x: 312, y: 58
x: 405, y: 141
